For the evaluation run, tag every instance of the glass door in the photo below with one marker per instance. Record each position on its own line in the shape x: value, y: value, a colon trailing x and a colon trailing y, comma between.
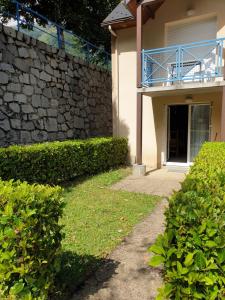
x: 199, y: 128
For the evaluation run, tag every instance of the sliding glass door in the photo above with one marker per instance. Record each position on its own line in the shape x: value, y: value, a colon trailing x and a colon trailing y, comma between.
x: 199, y: 128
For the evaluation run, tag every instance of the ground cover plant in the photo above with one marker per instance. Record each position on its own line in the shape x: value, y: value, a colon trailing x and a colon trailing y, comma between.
x: 193, y: 246
x: 57, y: 162
x: 96, y: 219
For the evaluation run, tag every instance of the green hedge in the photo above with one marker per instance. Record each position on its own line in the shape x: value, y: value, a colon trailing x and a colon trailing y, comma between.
x: 30, y: 239
x: 193, y: 246
x: 56, y: 162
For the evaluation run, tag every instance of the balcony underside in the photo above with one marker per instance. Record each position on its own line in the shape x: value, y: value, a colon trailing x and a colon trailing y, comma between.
x: 182, y: 88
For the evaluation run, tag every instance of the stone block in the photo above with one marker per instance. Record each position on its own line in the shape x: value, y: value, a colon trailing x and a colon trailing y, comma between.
x: 61, y: 136
x: 24, y: 78
x: 45, y: 77
x: 23, y: 52
x: 54, y: 103
x: 12, y: 49
x: 33, y: 80
x: 70, y: 134
x: 64, y: 127
x: 7, y: 67
x: 41, y: 84
x: 14, y: 87
x: 68, y: 116
x: 14, y: 107
x: 28, y: 90
x: 35, y: 72
x: 39, y: 136
x: 25, y: 137
x: 42, y: 112
x: 2, y: 137
x: 60, y: 119
x: 39, y: 124
x: 52, y: 112
x: 45, y: 102
x: 20, y: 98
x: 27, y: 109
x: 36, y: 101
x: 5, y: 125
x: 51, y: 125
x: 22, y: 64
x: 47, y: 92
x: 9, y: 31
x: 15, y: 123
x: 8, y: 97
x: 28, y: 125
x: 32, y: 53
x: 78, y: 122
x: 4, y: 78
x: 49, y: 70
x: 20, y: 35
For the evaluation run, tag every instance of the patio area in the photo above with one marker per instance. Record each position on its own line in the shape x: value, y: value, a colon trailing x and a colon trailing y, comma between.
x: 160, y: 182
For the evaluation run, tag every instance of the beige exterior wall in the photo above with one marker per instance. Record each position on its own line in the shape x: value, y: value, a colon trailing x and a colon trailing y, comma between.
x: 155, y: 127
x: 124, y: 78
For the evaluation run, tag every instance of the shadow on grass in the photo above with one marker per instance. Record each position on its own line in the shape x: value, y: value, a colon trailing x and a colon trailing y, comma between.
x: 76, y: 269
x: 69, y: 185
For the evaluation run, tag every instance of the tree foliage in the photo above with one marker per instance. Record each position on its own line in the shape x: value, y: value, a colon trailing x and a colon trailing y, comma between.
x: 83, y: 17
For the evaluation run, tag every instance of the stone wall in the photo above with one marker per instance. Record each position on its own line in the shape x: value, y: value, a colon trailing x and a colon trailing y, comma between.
x: 46, y: 94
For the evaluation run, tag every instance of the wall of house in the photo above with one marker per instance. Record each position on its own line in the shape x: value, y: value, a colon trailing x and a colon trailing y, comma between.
x: 46, y: 94
x: 124, y: 68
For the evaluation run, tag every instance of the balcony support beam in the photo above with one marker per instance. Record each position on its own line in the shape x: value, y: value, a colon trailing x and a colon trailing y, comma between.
x: 139, y: 39
x: 223, y: 116
x: 139, y: 129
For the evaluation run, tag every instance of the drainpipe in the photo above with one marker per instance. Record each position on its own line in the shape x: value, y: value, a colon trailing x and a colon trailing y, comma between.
x: 113, y: 33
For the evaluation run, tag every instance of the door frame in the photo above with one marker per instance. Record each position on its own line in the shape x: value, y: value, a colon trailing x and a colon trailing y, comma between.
x: 188, y: 163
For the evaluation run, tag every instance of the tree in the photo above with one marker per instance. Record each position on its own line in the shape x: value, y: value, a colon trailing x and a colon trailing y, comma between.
x: 83, y: 17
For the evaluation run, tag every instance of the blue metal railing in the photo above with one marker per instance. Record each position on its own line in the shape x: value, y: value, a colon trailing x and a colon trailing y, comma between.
x: 56, y: 35
x: 200, y: 61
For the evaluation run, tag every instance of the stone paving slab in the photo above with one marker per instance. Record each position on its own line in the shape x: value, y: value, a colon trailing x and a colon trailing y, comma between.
x: 160, y: 182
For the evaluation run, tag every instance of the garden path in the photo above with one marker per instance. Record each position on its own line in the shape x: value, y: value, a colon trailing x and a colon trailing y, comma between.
x: 132, y: 278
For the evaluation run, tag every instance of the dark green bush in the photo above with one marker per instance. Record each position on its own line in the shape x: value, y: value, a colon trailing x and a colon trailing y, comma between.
x: 30, y: 239
x: 193, y: 246
x: 61, y: 161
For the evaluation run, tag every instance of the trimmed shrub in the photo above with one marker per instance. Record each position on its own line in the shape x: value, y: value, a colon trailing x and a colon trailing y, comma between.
x: 56, y: 162
x: 30, y: 239
x: 193, y: 246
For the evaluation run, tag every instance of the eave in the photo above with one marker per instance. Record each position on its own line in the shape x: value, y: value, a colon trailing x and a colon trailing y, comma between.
x: 149, y: 10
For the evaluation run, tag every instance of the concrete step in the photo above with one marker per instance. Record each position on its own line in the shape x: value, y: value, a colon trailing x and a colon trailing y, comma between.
x: 178, y: 169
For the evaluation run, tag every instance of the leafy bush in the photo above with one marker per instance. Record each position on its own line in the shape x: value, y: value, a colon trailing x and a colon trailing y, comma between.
x: 30, y: 239
x: 61, y: 161
x: 193, y: 246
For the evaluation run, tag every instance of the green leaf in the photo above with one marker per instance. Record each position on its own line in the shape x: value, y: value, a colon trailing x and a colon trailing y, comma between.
x: 198, y: 295
x: 200, y: 260
x: 156, y: 261
x: 208, y: 281
x: 157, y: 249
x: 180, y: 269
x: 17, y: 288
x: 211, y: 244
x: 211, y: 232
x: 189, y: 259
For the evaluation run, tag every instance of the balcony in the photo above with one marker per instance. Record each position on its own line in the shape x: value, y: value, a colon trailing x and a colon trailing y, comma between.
x: 190, y: 63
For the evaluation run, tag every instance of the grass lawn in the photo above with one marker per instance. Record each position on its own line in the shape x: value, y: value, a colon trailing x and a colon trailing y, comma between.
x: 96, y: 220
